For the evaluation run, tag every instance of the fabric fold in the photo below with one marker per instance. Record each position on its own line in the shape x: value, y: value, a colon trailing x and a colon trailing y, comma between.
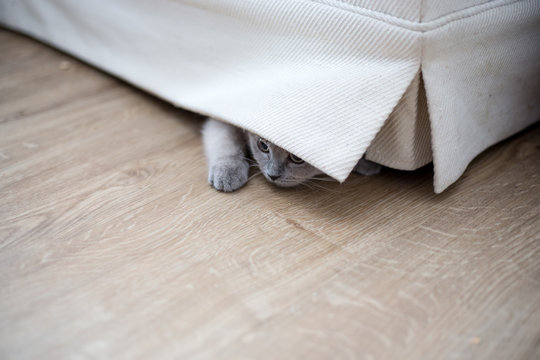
x: 404, y: 142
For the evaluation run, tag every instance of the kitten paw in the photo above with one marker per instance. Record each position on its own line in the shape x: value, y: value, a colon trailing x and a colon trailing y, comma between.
x: 229, y: 175
x: 367, y: 168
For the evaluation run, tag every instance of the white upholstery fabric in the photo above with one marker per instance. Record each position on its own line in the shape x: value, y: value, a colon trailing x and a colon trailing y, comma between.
x: 482, y: 83
x: 321, y: 78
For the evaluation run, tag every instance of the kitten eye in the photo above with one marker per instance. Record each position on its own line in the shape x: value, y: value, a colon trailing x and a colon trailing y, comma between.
x: 295, y: 159
x: 263, y: 145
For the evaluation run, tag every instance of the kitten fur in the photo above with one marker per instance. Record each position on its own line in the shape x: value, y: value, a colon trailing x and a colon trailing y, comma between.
x: 227, y: 147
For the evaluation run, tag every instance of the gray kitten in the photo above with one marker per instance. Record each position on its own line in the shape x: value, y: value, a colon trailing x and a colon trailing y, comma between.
x: 226, y: 149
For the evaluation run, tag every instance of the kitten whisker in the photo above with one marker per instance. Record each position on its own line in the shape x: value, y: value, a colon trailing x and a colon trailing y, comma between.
x: 319, y: 186
x: 254, y: 175
x: 249, y: 160
x: 328, y: 179
x: 307, y: 185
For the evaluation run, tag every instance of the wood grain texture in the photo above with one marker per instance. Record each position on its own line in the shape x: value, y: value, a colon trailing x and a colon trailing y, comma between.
x: 113, y: 246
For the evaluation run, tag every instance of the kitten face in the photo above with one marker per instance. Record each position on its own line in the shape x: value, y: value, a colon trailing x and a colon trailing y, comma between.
x: 279, y: 166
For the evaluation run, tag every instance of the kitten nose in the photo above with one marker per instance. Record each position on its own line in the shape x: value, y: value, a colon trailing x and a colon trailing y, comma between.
x: 274, y: 177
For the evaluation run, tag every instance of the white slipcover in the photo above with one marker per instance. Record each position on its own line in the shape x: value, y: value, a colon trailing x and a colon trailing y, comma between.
x: 328, y: 80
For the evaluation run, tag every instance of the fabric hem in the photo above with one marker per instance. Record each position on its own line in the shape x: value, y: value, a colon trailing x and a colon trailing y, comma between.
x: 417, y: 26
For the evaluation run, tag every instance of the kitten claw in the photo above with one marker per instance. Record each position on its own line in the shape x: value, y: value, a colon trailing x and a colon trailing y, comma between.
x: 367, y: 168
x: 229, y: 175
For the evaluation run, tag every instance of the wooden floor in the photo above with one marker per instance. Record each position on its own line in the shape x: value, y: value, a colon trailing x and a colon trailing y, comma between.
x: 113, y: 246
